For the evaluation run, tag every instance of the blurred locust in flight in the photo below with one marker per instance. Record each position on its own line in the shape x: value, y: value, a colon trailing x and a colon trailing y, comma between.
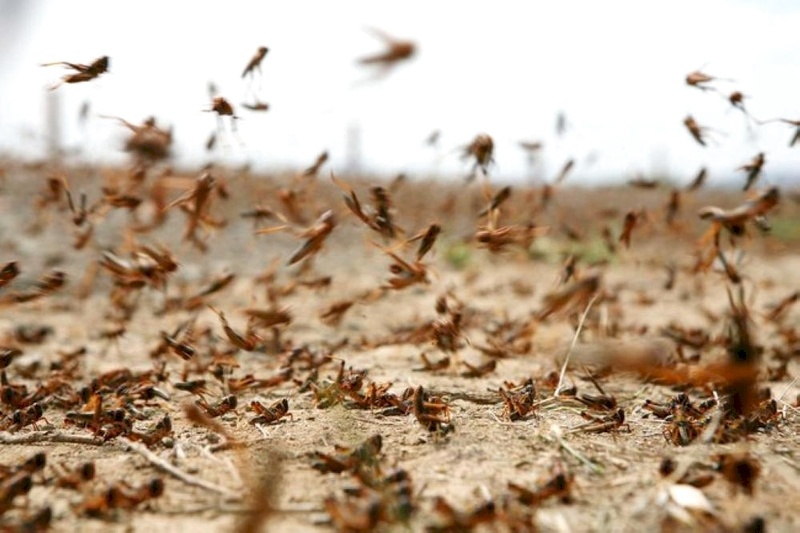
x: 223, y: 108
x: 701, y: 80
x: 631, y: 219
x: 378, y: 219
x: 735, y: 220
x: 753, y: 169
x: 8, y: 272
x: 314, y: 236
x: 695, y: 129
x: 318, y: 162
x: 736, y: 99
x: 571, y: 297
x: 252, y: 66
x: 698, y: 180
x: 147, y: 141
x: 482, y: 150
x: 196, y: 203
x: 406, y: 273
x: 495, y: 237
x: 257, y: 105
x: 794, y: 123
x: 255, y: 61
x: 565, y: 170
x: 83, y: 72
x: 396, y: 51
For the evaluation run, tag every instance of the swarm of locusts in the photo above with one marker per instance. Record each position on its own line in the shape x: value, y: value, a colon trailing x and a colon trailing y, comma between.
x: 365, y: 312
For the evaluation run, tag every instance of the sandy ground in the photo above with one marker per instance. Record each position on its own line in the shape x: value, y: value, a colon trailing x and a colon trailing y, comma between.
x: 616, y: 485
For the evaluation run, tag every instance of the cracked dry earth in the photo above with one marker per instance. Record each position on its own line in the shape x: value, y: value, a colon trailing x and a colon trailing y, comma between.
x: 582, y: 475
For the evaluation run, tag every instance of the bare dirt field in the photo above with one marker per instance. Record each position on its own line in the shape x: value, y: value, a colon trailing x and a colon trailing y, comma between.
x: 452, y: 356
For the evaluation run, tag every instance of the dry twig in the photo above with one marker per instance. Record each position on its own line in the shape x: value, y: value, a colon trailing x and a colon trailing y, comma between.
x: 178, y: 473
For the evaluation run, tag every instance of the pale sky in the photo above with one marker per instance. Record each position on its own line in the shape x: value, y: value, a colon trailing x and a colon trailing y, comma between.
x: 615, y: 68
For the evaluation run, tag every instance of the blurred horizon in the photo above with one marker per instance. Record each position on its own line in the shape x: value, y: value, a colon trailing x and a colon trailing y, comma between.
x: 615, y: 70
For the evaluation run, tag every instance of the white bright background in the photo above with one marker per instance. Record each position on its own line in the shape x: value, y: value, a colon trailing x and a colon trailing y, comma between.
x: 616, y: 69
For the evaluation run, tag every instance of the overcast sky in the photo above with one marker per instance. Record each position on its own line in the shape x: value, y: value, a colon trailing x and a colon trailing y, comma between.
x: 615, y: 68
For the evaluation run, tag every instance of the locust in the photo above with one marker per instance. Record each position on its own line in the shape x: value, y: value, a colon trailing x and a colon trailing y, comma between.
x: 45, y: 286
x: 701, y: 80
x: 735, y: 220
x: 255, y: 62
x: 404, y: 273
x: 574, y: 295
x: 217, y: 284
x: 247, y: 342
x: 736, y: 99
x: 17, y: 485
x: 753, y: 169
x: 380, y: 218
x: 120, y: 496
x: 363, y: 456
x: 497, y: 200
x: 564, y: 172
x: 314, y: 237
x: 256, y: 105
x: 601, y: 424
x: 454, y: 520
x: 269, y: 414
x: 631, y: 218
x: 396, y: 51
x: 426, y: 239
x: 8, y: 272
x: 162, y: 429
x: 673, y: 207
x: 698, y: 180
x: 558, y: 486
x: 481, y: 149
x: 82, y: 72
x: 148, y: 141
x: 222, y: 108
x: 432, y: 366
x: 518, y: 403
x: 433, y: 414
x: 695, y: 129
x: 196, y: 203
x: 74, y: 478
x: 318, y: 162
x: 334, y: 313
x: 219, y: 408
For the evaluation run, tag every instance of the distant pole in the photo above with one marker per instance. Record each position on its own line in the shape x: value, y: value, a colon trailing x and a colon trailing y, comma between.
x: 659, y: 163
x: 353, y: 150
x: 534, y: 164
x: 52, y: 126
x: 533, y: 161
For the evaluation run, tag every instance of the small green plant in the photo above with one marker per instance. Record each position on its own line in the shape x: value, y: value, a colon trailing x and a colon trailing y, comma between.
x: 458, y: 256
x: 785, y: 229
x: 551, y: 250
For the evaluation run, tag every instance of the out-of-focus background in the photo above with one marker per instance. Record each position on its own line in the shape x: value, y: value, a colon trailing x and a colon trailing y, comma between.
x: 614, y: 69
